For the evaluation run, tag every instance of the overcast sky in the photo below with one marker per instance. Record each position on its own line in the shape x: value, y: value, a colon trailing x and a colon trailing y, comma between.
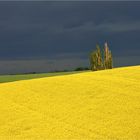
x: 44, y: 36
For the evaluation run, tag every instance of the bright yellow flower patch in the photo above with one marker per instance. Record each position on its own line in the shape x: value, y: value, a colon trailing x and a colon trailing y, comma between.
x: 103, y: 105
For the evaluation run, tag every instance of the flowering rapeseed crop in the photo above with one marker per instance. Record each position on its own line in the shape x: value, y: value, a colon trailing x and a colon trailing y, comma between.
x: 89, y: 105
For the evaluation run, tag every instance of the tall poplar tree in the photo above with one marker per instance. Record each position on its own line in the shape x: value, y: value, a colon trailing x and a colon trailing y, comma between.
x: 108, y: 62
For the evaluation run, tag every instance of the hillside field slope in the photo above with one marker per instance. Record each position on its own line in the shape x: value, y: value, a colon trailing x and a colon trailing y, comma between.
x: 102, y: 105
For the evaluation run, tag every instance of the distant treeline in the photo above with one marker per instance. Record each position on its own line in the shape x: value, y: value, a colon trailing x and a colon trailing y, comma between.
x: 101, y: 60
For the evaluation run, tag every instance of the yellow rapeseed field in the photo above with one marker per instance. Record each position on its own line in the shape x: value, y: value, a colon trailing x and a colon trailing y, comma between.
x: 103, y: 105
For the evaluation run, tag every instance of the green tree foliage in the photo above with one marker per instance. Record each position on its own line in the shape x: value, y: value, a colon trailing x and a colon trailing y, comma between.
x: 81, y: 69
x: 93, y: 60
x: 99, y: 58
x: 96, y: 60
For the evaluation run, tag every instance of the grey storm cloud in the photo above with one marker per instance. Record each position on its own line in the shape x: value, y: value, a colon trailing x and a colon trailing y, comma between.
x: 39, y: 31
x: 104, y: 27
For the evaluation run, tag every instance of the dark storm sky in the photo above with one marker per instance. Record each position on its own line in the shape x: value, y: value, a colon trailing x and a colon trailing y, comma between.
x: 44, y: 36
